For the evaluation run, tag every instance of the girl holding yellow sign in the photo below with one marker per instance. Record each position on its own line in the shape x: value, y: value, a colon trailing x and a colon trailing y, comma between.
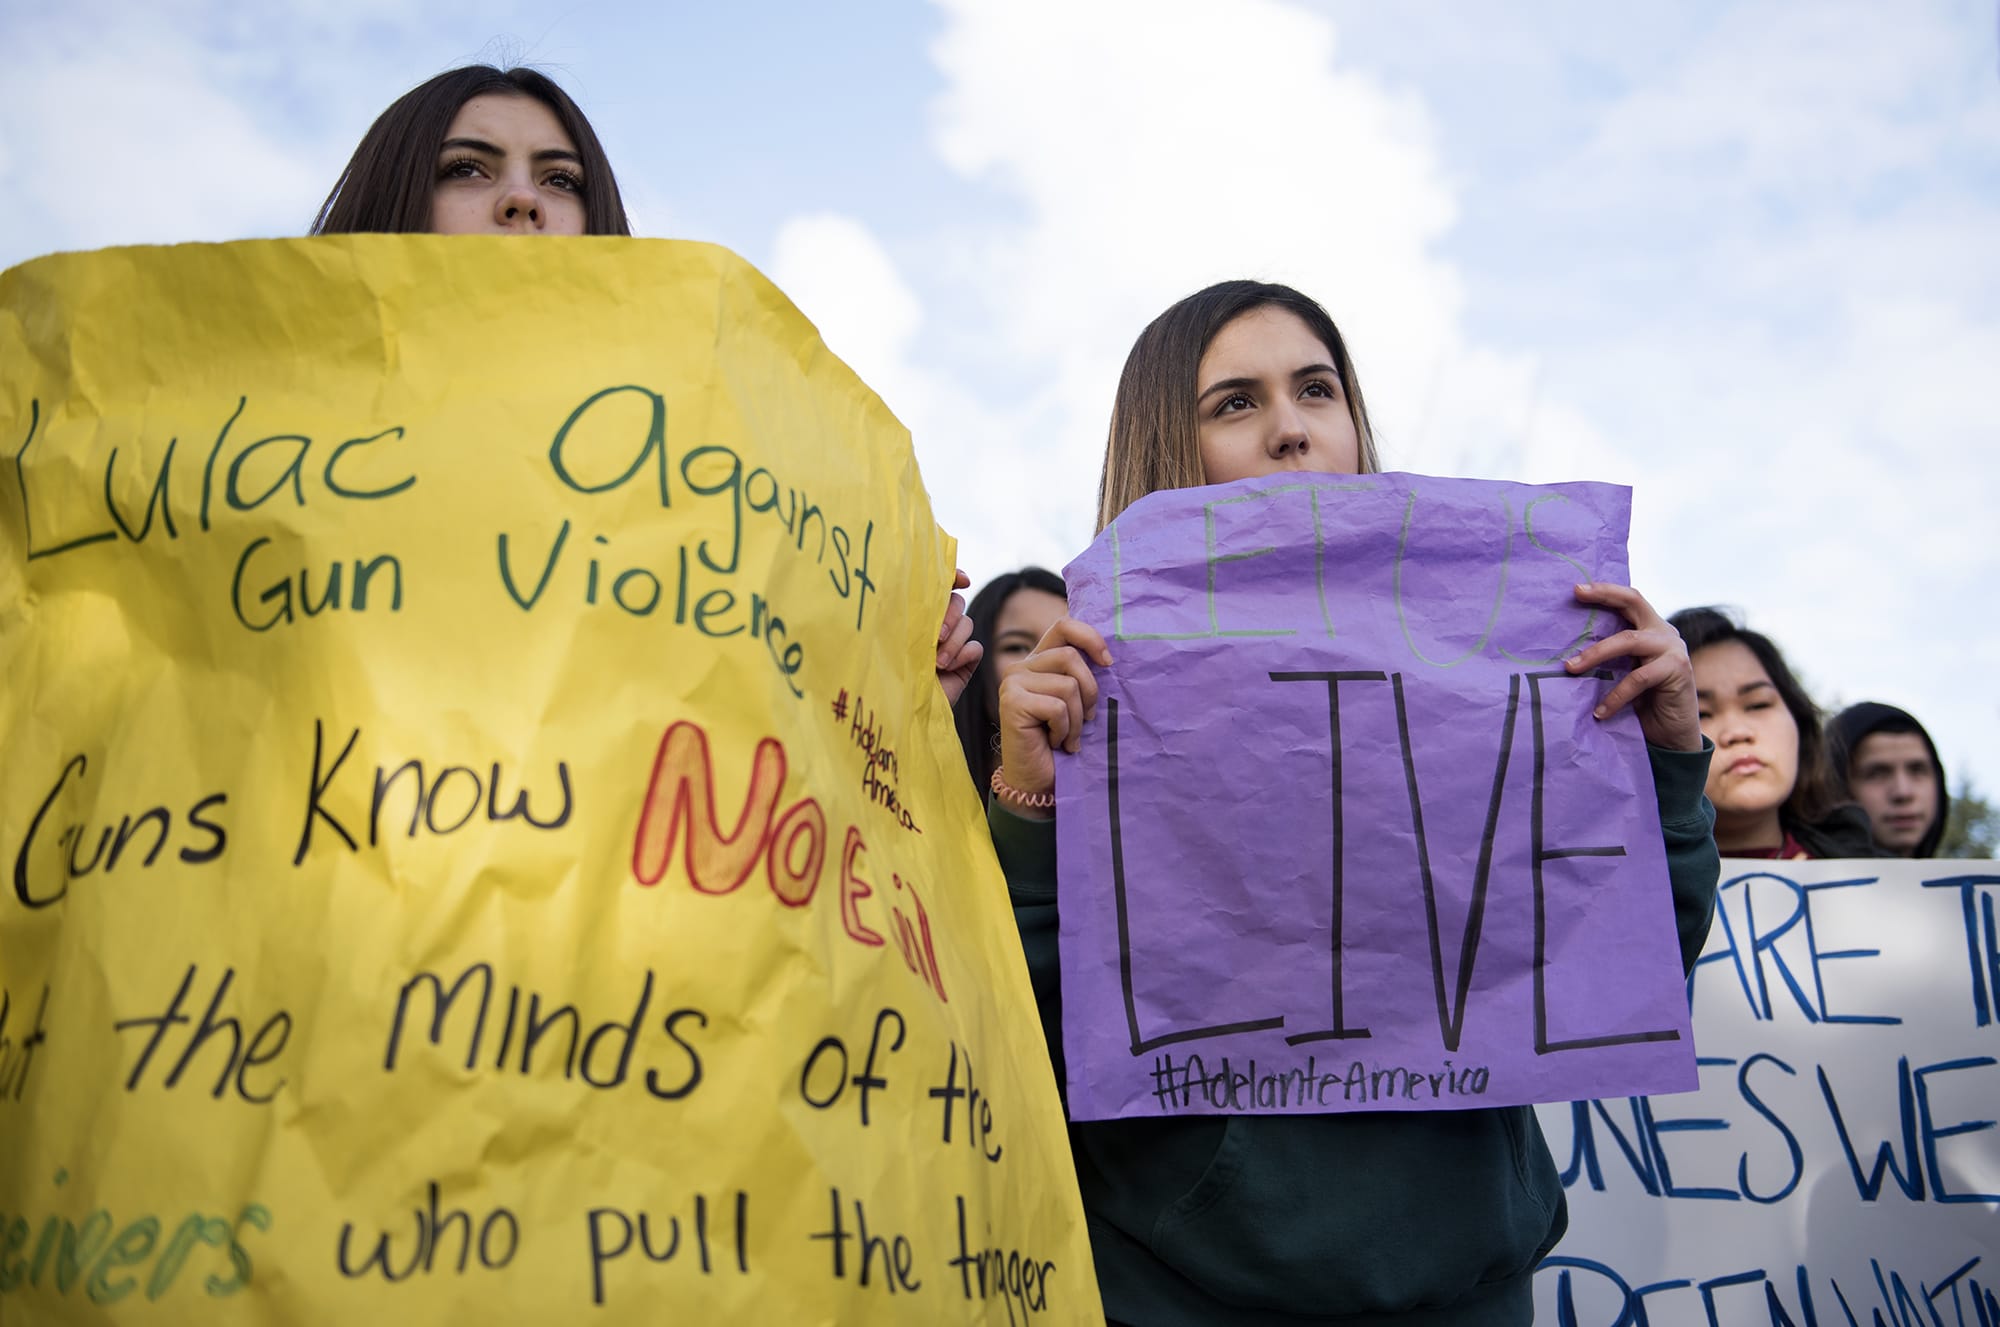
x: 486, y: 151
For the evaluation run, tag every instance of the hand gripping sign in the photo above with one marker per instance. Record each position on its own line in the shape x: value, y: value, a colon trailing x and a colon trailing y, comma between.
x: 1345, y: 835
x: 483, y: 835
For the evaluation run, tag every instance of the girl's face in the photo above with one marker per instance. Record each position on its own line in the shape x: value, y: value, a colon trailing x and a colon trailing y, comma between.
x: 1894, y: 778
x: 1025, y: 617
x: 1756, y: 739
x: 507, y: 168
x: 1270, y: 401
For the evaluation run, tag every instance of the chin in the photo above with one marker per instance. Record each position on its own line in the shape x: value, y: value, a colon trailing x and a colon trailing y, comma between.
x: 1741, y: 806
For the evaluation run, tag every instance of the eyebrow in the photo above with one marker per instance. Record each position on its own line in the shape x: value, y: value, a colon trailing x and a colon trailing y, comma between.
x: 492, y: 150
x: 1741, y: 691
x: 1232, y: 384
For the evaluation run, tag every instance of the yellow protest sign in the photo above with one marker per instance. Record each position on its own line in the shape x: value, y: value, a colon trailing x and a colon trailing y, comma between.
x: 483, y: 835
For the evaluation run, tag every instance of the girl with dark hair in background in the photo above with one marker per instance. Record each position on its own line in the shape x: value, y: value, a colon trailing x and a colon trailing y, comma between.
x: 1010, y: 614
x: 1770, y: 781
x: 1434, y: 1219
x: 473, y: 151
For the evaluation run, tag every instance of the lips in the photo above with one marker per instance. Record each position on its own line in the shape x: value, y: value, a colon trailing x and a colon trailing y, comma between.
x: 1743, y: 766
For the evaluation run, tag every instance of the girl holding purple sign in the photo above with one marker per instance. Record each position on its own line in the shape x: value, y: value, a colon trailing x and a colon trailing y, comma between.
x: 1358, y: 1218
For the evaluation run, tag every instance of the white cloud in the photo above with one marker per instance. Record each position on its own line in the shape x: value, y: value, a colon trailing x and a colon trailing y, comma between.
x: 1157, y: 147
x: 1796, y: 379
x: 149, y: 181
x: 1749, y: 266
x: 1153, y: 162
x: 1790, y: 393
x: 199, y: 119
x: 1136, y: 166
x: 842, y: 278
x: 1783, y: 99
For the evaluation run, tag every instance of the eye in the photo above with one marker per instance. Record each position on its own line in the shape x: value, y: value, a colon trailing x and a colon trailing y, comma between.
x: 1322, y: 388
x: 1231, y: 404
x: 1761, y: 705
x: 1704, y: 714
x: 461, y: 168
x: 566, y: 181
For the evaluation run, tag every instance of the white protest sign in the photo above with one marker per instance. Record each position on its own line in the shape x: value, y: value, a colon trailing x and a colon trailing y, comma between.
x: 1841, y: 1162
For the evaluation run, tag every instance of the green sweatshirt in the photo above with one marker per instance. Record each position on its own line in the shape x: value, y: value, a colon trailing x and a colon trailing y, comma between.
x: 1418, y: 1219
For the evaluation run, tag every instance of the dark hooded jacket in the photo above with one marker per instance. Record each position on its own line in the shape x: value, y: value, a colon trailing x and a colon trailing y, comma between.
x: 1845, y: 733
x: 1844, y: 831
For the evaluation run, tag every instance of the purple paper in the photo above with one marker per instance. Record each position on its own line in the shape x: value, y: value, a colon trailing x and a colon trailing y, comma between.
x: 1344, y: 834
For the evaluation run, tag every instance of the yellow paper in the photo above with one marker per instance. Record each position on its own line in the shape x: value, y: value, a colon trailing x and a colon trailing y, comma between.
x: 485, y: 839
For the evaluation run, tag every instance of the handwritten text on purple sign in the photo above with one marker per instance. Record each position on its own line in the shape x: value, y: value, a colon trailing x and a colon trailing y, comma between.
x: 1344, y: 834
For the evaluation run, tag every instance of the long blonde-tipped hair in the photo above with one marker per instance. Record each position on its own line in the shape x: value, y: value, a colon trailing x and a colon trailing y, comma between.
x: 1154, y: 441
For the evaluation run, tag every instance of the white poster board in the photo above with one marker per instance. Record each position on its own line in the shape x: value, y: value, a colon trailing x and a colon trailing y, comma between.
x: 1841, y: 1162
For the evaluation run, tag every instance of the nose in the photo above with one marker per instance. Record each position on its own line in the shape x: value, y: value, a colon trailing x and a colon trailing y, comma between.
x: 1288, y: 438
x: 1902, y: 787
x: 1730, y: 730
x: 517, y: 207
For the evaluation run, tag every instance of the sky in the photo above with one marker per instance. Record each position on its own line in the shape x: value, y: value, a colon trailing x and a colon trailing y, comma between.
x: 1742, y: 257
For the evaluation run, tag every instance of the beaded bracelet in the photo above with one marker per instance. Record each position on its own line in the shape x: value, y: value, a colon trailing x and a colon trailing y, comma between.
x: 1007, y: 792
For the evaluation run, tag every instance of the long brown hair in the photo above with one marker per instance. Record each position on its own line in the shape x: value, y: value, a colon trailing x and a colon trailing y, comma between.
x: 1155, y: 440
x: 388, y: 183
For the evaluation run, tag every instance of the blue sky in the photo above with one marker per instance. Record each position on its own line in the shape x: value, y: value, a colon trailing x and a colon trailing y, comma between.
x: 1739, y: 256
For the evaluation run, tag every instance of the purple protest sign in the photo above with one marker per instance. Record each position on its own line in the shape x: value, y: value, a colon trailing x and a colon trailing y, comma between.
x: 1344, y: 834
